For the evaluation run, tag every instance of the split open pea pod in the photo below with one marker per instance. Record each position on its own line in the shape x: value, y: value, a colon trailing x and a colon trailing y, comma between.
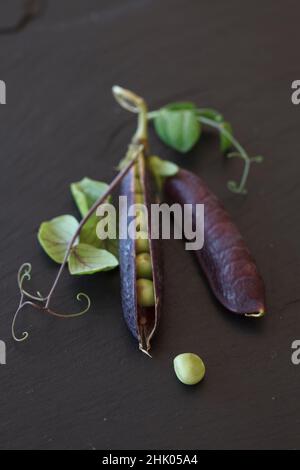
x: 139, y: 255
x: 140, y: 259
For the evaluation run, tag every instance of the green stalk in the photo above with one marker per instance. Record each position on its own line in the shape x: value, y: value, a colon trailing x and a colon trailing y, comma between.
x: 135, y: 104
x: 241, y: 153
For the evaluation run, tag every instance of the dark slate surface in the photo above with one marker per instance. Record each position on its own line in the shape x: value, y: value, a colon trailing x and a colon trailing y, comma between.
x: 82, y: 384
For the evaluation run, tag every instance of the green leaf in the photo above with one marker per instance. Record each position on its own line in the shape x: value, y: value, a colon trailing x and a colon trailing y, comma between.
x: 86, y: 192
x: 225, y: 134
x: 178, y: 129
x: 56, y: 234
x: 162, y: 168
x: 88, y: 234
x: 210, y: 114
x: 86, y: 259
x: 181, y: 106
x: 112, y: 245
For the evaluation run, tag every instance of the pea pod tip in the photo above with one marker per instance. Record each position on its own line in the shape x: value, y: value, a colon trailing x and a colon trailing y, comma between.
x: 259, y: 314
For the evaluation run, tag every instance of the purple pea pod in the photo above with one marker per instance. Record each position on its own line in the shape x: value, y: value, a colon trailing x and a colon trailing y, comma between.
x: 225, y: 258
x: 140, y: 261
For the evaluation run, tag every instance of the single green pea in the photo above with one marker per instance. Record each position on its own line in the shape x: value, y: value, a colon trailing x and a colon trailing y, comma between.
x: 143, y: 266
x: 138, y: 186
x: 145, y: 293
x: 139, y: 199
x: 142, y: 243
x: 189, y: 368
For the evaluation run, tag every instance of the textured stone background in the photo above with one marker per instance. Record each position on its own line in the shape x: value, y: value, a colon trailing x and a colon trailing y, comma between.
x: 82, y: 384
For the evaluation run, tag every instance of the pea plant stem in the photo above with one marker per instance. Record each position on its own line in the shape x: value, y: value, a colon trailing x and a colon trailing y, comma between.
x: 152, y: 115
x: 135, y: 104
x: 241, y: 152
